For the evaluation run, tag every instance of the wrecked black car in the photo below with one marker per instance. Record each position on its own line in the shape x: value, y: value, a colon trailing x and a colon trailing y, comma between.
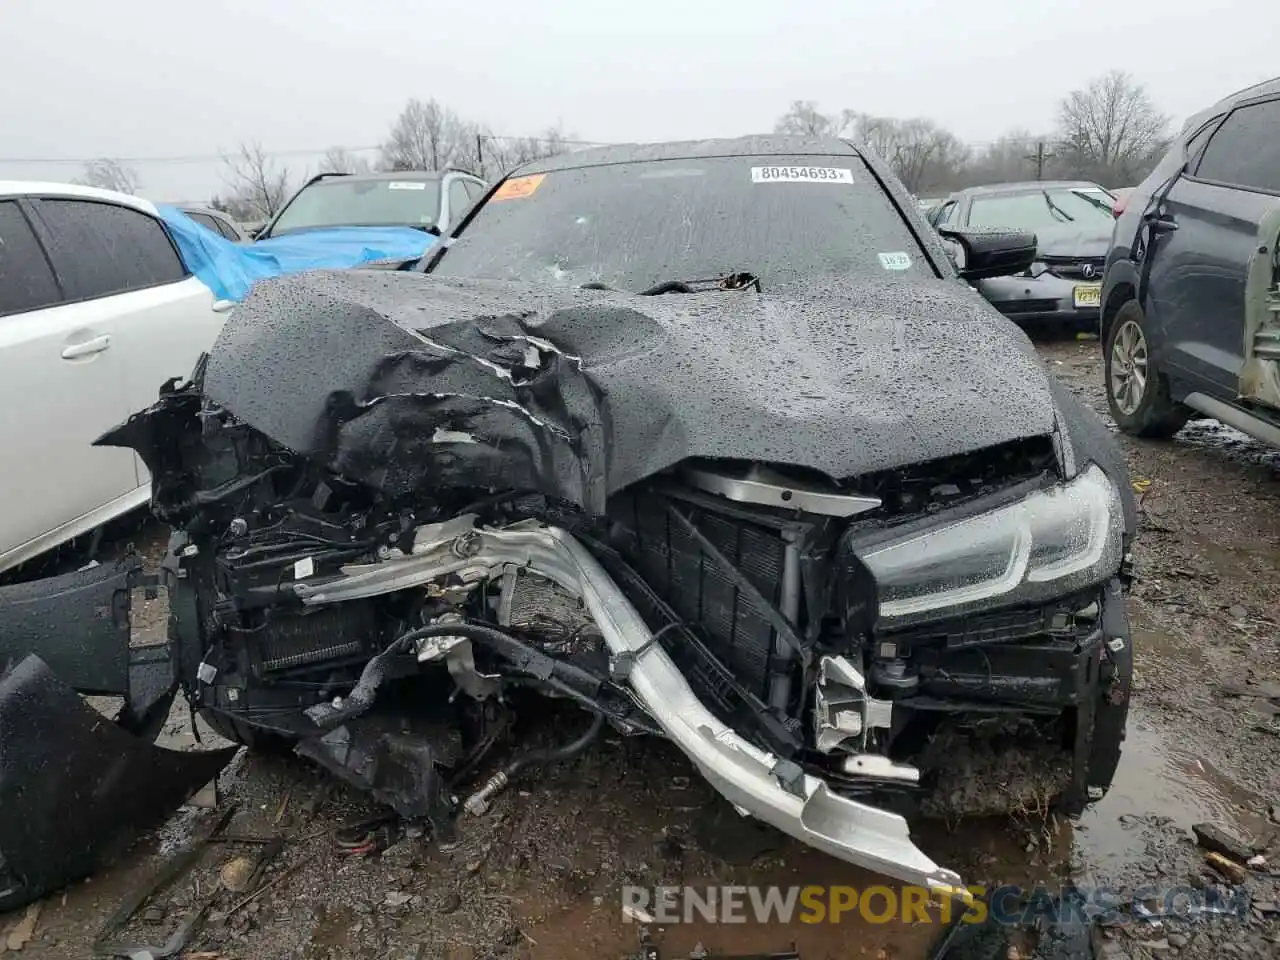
x: 711, y: 439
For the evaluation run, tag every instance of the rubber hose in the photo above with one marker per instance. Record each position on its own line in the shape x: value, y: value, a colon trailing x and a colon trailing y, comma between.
x: 565, y: 751
x: 526, y: 657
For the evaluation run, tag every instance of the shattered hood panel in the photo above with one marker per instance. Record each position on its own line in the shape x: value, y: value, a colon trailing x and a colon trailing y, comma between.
x: 406, y: 381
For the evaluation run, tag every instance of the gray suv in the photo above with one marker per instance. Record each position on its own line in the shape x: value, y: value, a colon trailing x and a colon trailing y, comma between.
x: 1191, y: 301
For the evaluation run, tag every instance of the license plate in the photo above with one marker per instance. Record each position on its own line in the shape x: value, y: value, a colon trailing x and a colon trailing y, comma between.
x: 1087, y: 295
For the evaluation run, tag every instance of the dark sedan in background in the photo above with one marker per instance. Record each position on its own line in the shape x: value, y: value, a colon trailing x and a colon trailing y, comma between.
x: 1072, y: 221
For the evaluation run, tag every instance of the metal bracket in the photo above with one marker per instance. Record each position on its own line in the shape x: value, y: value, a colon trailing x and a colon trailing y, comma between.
x: 843, y: 712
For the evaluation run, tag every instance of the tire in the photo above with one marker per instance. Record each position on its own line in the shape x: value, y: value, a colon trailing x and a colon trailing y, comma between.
x: 1138, y: 397
x: 247, y: 734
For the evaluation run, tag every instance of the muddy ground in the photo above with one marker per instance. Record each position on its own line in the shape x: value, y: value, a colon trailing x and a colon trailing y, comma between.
x: 540, y: 875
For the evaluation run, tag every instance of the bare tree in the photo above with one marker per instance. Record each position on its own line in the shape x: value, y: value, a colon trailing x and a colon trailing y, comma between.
x: 258, y: 186
x: 1003, y: 160
x: 426, y: 136
x: 1110, y: 129
x: 923, y: 154
x: 506, y: 153
x: 110, y: 175
x: 342, y: 160
x: 471, y: 152
x: 803, y: 117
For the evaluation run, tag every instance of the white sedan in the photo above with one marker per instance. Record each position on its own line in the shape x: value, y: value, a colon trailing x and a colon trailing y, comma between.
x: 97, y: 310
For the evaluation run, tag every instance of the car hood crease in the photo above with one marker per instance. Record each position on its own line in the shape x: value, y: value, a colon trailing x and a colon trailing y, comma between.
x: 408, y: 382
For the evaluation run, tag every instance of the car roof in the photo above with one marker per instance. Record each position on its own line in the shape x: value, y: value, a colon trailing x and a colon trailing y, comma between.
x: 1264, y: 89
x: 753, y: 146
x: 28, y: 188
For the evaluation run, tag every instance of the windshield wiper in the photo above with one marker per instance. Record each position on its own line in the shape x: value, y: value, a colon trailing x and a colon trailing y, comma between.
x: 1094, y: 200
x: 730, y: 281
x: 1054, y: 208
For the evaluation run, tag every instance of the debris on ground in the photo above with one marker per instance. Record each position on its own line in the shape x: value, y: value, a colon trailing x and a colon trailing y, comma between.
x: 1229, y: 869
x: 20, y: 933
x: 1215, y: 839
x: 236, y: 874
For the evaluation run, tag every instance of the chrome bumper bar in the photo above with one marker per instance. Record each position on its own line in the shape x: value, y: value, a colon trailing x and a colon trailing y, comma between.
x: 739, y: 770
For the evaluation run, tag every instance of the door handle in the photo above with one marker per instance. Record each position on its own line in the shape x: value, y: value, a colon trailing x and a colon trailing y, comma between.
x: 223, y: 306
x: 87, y: 347
x: 1162, y: 224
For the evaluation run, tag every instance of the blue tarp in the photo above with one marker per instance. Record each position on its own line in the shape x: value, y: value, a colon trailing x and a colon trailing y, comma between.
x: 229, y: 269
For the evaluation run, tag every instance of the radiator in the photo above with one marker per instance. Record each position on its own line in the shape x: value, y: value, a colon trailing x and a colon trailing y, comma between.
x: 707, y: 599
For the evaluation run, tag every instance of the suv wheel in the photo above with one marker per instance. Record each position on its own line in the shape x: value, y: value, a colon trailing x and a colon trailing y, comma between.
x: 1137, y: 392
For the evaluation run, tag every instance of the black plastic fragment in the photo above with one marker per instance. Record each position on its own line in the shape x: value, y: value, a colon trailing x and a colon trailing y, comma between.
x: 75, y: 787
x: 403, y: 769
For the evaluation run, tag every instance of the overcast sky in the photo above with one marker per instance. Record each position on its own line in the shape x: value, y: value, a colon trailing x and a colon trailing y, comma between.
x: 159, y: 78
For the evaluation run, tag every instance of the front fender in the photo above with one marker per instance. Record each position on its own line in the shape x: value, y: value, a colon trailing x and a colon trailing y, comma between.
x: 1092, y: 442
x: 1121, y: 285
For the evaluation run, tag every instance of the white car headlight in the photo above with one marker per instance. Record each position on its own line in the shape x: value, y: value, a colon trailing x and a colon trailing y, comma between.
x: 1046, y: 545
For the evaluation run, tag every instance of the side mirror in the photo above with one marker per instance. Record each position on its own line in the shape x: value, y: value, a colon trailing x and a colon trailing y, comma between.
x: 991, y: 253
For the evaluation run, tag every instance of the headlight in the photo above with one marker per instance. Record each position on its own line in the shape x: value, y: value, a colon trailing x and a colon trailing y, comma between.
x: 1049, y: 544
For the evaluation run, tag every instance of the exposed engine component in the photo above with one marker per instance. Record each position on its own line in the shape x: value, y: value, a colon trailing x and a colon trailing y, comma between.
x: 457, y: 654
x: 532, y: 604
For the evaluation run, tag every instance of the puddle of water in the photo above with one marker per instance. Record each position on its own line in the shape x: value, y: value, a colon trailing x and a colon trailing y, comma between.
x: 1157, y: 778
x: 591, y: 931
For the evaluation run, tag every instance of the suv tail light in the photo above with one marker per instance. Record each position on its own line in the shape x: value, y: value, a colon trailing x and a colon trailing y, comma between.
x: 1117, y: 208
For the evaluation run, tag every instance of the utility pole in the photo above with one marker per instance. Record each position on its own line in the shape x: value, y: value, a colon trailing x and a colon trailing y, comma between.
x: 1038, y: 158
x: 480, y: 154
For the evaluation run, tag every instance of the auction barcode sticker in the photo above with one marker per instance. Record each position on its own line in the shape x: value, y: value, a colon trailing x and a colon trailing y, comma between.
x: 801, y: 175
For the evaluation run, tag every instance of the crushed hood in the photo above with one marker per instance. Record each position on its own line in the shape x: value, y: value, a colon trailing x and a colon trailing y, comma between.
x: 407, y: 382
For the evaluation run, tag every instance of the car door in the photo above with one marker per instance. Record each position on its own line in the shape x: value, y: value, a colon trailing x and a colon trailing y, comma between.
x: 163, y: 318
x: 1207, y: 234
x: 61, y: 385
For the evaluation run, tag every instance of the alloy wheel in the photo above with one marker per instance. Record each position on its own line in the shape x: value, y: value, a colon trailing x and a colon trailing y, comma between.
x: 1129, y: 368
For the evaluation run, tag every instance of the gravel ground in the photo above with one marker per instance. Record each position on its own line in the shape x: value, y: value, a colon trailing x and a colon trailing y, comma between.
x: 540, y: 875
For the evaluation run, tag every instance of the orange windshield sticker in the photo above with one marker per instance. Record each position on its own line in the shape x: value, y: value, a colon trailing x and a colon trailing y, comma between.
x: 517, y: 188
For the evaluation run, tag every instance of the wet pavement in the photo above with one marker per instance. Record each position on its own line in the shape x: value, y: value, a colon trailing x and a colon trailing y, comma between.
x: 541, y: 875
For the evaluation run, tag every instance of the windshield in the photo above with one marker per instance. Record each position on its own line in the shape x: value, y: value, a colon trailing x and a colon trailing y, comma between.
x: 633, y: 226
x: 1051, y: 207
x: 342, y: 202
